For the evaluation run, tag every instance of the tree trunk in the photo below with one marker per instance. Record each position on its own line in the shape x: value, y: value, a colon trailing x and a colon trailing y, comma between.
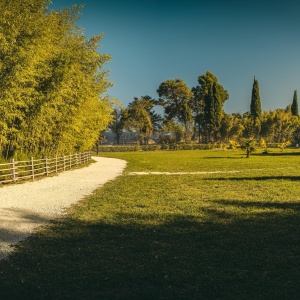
x: 248, y: 153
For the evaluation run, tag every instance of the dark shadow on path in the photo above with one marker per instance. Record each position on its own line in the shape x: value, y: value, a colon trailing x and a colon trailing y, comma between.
x: 16, y: 225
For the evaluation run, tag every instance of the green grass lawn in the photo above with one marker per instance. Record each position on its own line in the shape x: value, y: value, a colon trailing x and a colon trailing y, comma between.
x: 206, y: 236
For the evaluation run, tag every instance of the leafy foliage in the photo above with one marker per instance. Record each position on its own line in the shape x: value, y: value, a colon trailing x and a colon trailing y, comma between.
x: 212, y: 95
x: 249, y: 146
x: 197, y: 114
x: 177, y: 100
x: 137, y: 117
x: 51, y: 78
x: 117, y: 123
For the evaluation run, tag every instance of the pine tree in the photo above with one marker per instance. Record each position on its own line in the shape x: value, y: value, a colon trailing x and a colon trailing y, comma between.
x: 294, y: 107
x: 255, y: 108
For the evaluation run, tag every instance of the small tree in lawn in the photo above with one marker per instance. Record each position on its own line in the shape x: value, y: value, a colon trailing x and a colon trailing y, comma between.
x: 283, y: 145
x: 249, y: 146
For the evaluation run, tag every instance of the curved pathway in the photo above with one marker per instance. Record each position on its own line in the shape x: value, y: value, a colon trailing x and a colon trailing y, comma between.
x: 25, y: 206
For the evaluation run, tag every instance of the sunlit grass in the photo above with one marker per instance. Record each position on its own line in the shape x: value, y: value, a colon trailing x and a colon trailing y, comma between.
x: 204, y: 160
x: 207, y: 236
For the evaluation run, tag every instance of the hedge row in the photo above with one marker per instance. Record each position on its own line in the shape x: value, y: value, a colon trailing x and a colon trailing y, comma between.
x: 154, y: 147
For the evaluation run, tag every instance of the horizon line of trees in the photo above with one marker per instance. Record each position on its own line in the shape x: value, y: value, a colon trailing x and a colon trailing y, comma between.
x: 52, y: 81
x: 197, y: 115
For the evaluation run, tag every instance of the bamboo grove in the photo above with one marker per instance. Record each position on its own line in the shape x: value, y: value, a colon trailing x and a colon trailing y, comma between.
x: 52, y: 82
x: 197, y: 115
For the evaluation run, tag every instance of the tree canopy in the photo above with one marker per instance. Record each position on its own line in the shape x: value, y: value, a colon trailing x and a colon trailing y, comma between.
x: 137, y: 117
x: 210, y: 95
x: 177, y: 100
x: 52, y: 81
x: 197, y: 114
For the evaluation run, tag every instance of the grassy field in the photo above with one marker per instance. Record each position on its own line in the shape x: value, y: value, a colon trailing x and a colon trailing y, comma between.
x: 194, y: 236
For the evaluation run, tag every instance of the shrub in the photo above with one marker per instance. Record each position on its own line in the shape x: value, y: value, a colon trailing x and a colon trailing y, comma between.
x: 163, y: 146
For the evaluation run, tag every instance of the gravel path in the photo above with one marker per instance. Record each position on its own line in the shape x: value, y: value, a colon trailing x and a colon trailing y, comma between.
x: 25, y: 206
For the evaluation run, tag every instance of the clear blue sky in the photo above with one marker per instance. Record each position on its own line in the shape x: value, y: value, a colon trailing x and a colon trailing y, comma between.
x: 151, y: 41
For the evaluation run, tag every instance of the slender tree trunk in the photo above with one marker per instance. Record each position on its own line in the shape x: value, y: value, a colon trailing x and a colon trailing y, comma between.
x: 248, y: 153
x: 199, y: 133
x: 97, y: 147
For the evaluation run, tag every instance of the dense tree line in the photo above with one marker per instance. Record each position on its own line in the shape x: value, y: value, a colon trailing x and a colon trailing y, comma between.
x: 51, y: 81
x: 197, y: 115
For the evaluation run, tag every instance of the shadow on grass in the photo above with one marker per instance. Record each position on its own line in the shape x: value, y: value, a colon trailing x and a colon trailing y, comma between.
x: 260, y: 204
x: 257, y: 178
x: 186, y: 257
x: 277, y: 154
x: 243, y: 155
x: 234, y: 156
x: 15, y: 225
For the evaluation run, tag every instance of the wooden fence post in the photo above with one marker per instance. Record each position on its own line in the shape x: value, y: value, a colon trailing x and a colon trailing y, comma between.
x: 32, y: 167
x: 13, y: 170
x: 46, y: 166
x: 64, y: 163
x: 56, y: 163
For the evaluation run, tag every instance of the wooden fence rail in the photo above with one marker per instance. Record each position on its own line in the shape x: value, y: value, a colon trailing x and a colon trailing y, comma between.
x: 18, y: 170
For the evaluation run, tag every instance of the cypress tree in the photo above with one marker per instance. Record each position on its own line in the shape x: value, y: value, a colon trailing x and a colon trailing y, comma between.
x: 255, y: 108
x: 294, y: 107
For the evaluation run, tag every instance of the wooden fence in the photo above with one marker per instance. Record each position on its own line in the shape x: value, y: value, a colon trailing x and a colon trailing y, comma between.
x: 18, y: 170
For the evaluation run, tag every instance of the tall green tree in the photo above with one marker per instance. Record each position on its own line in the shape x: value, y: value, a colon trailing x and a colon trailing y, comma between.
x: 52, y: 83
x: 156, y: 118
x: 117, y: 124
x: 177, y: 99
x: 213, y: 95
x: 255, y: 111
x: 198, y: 112
x: 137, y: 118
x: 255, y: 106
x: 294, y: 107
